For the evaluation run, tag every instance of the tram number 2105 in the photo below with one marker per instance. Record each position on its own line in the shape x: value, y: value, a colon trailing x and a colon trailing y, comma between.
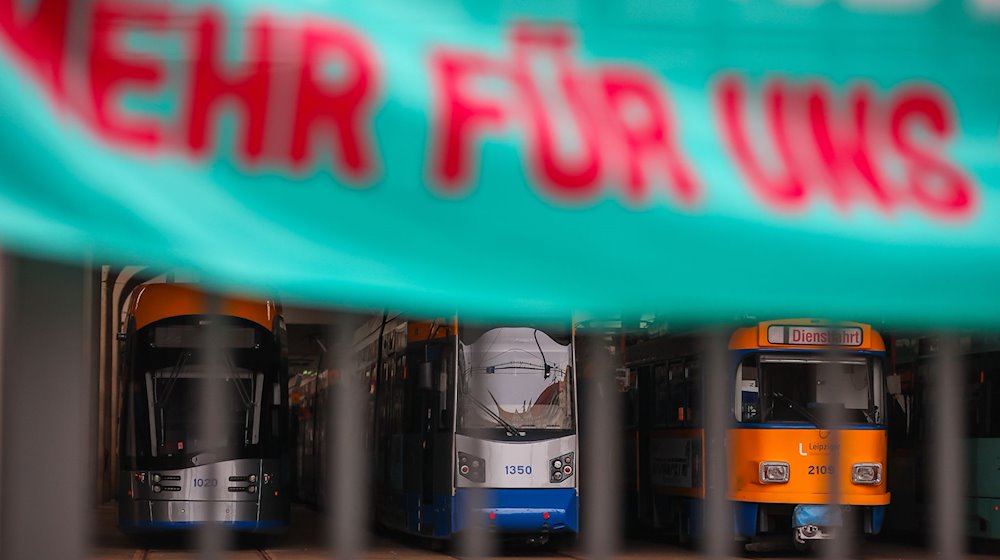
x: 517, y: 469
x: 820, y: 469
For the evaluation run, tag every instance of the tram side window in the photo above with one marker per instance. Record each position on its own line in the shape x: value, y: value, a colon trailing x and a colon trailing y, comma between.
x: 678, y: 409
x: 392, y: 403
x: 401, y: 397
x: 693, y: 372
x: 629, y: 390
x: 983, y: 396
x: 748, y: 391
x: 661, y: 383
x: 446, y: 376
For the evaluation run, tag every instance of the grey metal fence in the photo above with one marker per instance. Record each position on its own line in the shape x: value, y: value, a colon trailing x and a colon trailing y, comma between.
x: 50, y: 400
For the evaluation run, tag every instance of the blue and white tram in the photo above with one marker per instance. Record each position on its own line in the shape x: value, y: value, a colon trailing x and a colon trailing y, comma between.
x: 458, y: 408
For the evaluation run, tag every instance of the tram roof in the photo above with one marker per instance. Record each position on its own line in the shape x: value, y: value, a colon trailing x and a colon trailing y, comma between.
x: 153, y: 302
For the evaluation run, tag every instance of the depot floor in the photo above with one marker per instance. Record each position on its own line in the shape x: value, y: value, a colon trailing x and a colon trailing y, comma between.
x: 305, y: 541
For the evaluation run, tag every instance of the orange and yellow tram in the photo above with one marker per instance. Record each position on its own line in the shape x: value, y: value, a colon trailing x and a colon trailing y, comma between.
x: 789, y: 380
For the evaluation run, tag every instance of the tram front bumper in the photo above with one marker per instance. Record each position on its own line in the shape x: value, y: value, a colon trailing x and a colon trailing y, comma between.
x: 814, y: 522
x: 822, y: 521
x: 167, y: 515
x: 521, y: 510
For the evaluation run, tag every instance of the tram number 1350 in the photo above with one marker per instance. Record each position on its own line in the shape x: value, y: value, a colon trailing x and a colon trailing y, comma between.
x: 517, y: 469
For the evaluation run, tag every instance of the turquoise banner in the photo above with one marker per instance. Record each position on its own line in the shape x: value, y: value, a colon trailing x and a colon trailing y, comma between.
x: 699, y: 159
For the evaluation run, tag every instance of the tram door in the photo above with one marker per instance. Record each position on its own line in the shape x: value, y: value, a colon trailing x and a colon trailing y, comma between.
x: 434, y: 452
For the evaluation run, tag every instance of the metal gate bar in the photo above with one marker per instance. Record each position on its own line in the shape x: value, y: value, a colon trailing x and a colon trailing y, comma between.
x: 835, y: 418
x: 347, y: 497
x: 948, y: 453
x: 475, y: 541
x: 718, y: 416
x: 600, y: 452
x: 44, y: 484
x: 213, y: 539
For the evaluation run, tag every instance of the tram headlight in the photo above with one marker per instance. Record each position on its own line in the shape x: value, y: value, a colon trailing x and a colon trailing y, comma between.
x: 472, y: 467
x: 563, y: 467
x: 156, y: 477
x: 156, y: 488
x: 252, y: 478
x: 774, y: 472
x: 866, y: 473
x: 252, y: 489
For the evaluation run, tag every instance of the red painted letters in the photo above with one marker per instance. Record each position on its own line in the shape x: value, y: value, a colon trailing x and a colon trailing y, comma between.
x: 39, y: 39
x: 845, y: 154
x: 937, y: 185
x: 589, y: 109
x: 210, y: 85
x: 783, y: 190
x: 345, y: 103
x: 650, y: 139
x: 583, y: 128
x: 570, y: 180
x: 464, y: 117
x: 110, y: 70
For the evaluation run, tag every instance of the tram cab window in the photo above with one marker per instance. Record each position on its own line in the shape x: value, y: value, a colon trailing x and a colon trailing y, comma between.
x: 514, y: 380
x: 805, y: 388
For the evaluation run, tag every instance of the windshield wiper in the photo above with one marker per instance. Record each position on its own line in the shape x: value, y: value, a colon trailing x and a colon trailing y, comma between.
x: 544, y: 361
x: 507, y: 426
x: 160, y: 403
x: 172, y: 379
x: 800, y: 409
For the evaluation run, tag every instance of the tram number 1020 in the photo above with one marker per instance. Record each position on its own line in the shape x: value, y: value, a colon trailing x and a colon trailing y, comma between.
x: 820, y: 469
x: 517, y: 469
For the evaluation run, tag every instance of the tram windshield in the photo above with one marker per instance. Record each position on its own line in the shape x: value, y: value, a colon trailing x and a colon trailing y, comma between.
x: 174, y: 373
x: 809, y: 389
x: 174, y: 398
x: 516, y: 379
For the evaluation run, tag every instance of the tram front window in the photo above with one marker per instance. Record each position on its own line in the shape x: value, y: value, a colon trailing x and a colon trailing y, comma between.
x: 174, y: 399
x: 515, y: 380
x: 805, y: 389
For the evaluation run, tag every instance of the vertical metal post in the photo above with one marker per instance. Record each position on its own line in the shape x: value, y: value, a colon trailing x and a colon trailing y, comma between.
x: 601, y: 454
x: 717, y: 387
x: 834, y: 418
x: 346, y: 474
x: 475, y: 541
x: 44, y: 411
x: 92, y: 320
x: 212, y: 538
x: 947, y: 440
x: 3, y: 359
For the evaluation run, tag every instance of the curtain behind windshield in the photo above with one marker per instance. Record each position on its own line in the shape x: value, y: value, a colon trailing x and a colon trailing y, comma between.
x: 790, y: 389
x: 518, y: 376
